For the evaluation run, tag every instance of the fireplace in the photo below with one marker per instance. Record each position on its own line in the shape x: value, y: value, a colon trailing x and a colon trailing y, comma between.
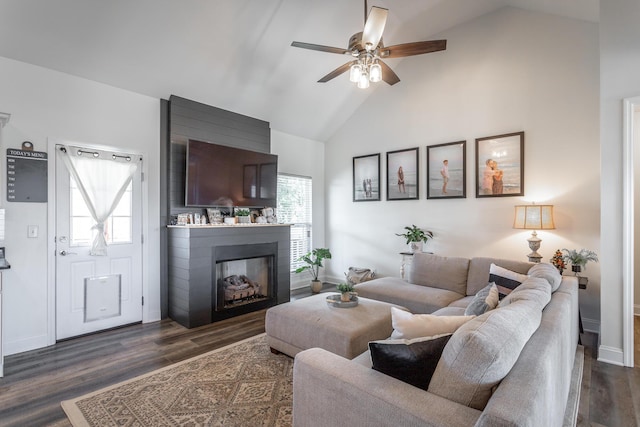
x: 201, y: 255
x: 244, y: 274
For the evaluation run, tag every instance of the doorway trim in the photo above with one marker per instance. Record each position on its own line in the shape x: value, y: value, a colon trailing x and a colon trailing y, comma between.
x: 629, y: 107
x: 51, y: 232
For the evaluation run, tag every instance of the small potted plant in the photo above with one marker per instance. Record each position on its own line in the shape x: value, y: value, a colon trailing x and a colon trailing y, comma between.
x: 243, y: 215
x: 579, y: 259
x: 557, y: 260
x: 346, y: 290
x: 313, y: 262
x: 416, y: 237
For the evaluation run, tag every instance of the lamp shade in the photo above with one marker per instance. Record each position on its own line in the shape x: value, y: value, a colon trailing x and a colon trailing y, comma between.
x: 534, y: 217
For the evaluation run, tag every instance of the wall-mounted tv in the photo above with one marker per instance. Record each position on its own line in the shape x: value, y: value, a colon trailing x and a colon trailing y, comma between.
x: 218, y: 175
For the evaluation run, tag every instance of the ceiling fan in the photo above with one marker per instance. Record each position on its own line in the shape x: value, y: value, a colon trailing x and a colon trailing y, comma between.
x: 368, y: 50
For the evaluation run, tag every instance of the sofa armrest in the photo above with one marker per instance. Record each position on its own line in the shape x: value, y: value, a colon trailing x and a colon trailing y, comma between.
x: 329, y: 390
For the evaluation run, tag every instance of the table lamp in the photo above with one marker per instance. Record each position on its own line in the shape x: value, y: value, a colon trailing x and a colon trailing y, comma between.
x: 534, y: 217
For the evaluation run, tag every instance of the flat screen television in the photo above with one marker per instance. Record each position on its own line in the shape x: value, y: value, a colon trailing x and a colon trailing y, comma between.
x: 218, y: 175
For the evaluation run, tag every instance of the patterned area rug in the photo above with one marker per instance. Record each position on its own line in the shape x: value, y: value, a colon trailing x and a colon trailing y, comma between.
x: 243, y: 384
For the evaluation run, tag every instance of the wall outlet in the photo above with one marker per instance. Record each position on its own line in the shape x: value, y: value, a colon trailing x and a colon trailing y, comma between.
x: 32, y: 231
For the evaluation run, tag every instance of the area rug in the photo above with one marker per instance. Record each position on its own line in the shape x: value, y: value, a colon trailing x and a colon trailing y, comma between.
x: 243, y: 384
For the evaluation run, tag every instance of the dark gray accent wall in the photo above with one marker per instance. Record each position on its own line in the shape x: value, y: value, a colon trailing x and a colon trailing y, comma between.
x: 181, y: 120
x: 193, y: 120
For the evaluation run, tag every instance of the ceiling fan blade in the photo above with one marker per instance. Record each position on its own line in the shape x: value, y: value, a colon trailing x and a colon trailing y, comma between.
x: 388, y: 75
x: 335, y: 73
x: 320, y: 47
x: 410, y: 49
x: 374, y: 27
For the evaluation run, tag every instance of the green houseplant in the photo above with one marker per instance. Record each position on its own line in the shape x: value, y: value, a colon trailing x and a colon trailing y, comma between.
x: 416, y: 237
x: 243, y: 215
x: 313, y: 261
x: 345, y: 290
x: 579, y: 259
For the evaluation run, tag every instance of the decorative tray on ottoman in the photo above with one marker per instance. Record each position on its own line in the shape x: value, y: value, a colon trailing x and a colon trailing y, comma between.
x: 335, y: 301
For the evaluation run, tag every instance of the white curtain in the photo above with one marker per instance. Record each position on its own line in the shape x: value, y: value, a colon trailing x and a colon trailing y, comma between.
x: 102, y: 180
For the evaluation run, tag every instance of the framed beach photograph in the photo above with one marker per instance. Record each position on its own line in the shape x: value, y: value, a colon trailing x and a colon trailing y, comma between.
x: 447, y: 171
x: 500, y: 165
x: 402, y: 174
x: 366, y: 178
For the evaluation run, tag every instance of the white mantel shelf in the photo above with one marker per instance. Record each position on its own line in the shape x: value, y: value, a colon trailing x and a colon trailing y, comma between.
x: 252, y: 225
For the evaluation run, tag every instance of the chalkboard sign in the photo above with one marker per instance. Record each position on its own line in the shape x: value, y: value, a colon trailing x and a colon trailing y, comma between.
x: 26, y: 176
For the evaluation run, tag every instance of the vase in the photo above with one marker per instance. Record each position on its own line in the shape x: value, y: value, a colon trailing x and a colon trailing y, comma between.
x: 576, y: 269
x: 316, y: 286
x: 416, y: 246
x: 345, y: 296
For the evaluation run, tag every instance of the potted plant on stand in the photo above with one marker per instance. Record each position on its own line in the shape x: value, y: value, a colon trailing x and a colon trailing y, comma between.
x: 579, y: 259
x: 416, y: 237
x: 313, y: 262
x: 346, y: 290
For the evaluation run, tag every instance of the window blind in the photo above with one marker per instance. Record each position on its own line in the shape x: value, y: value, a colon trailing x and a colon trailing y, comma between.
x: 294, y: 207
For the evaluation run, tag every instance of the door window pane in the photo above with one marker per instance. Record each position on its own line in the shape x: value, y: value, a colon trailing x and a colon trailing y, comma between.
x: 117, y: 228
x: 294, y: 207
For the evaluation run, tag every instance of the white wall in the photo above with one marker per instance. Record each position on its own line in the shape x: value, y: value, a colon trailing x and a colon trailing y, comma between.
x: 636, y: 220
x: 619, y: 65
x: 305, y: 157
x: 47, y: 104
x: 508, y: 71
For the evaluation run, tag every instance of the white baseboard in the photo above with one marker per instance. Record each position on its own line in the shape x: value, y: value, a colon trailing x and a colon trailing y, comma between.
x: 26, y: 344
x: 612, y: 355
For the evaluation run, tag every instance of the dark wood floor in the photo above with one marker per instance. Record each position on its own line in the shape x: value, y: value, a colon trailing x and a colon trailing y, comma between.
x: 36, y: 382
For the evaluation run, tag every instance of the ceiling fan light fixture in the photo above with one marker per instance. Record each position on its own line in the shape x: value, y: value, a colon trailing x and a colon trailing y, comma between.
x: 363, y: 83
x: 355, y: 73
x: 375, y: 73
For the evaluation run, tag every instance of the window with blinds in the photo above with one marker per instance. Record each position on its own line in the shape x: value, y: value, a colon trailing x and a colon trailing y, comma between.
x: 294, y: 207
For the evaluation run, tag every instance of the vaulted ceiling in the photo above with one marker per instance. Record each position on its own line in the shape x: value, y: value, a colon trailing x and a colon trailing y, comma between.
x: 233, y: 54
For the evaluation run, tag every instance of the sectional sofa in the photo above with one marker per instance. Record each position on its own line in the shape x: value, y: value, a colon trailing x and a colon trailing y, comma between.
x: 516, y: 365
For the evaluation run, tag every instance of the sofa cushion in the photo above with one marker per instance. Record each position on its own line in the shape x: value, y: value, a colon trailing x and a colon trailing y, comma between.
x: 479, y: 271
x: 483, y: 351
x: 440, y: 272
x: 416, y: 298
x: 412, y: 361
x: 547, y: 271
x: 506, y: 280
x: 408, y: 326
x: 486, y: 299
x: 534, y: 288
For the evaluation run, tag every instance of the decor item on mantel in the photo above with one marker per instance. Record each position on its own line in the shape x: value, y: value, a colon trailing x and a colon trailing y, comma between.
x: 314, y: 260
x: 243, y: 215
x: 579, y: 259
x: 557, y: 260
x: 416, y: 237
x: 534, y: 217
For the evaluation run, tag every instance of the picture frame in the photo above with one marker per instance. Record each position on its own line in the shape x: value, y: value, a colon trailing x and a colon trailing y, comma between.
x: 403, y: 178
x: 500, y: 165
x: 448, y: 159
x: 366, y: 178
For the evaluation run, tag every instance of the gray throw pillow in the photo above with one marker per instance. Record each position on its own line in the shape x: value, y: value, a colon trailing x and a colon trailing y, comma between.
x: 486, y: 299
x: 411, y: 361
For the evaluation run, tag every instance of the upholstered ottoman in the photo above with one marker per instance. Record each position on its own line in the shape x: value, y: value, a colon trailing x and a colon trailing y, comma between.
x: 311, y: 322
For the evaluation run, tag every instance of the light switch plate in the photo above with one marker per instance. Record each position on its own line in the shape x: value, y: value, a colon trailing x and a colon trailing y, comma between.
x: 32, y: 231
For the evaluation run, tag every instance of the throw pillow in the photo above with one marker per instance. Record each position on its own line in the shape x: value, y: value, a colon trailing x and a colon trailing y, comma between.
x: 506, y: 280
x: 486, y: 299
x: 411, y: 361
x: 409, y: 326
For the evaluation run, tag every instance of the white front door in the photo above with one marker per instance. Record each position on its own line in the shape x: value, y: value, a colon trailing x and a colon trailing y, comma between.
x: 96, y: 292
